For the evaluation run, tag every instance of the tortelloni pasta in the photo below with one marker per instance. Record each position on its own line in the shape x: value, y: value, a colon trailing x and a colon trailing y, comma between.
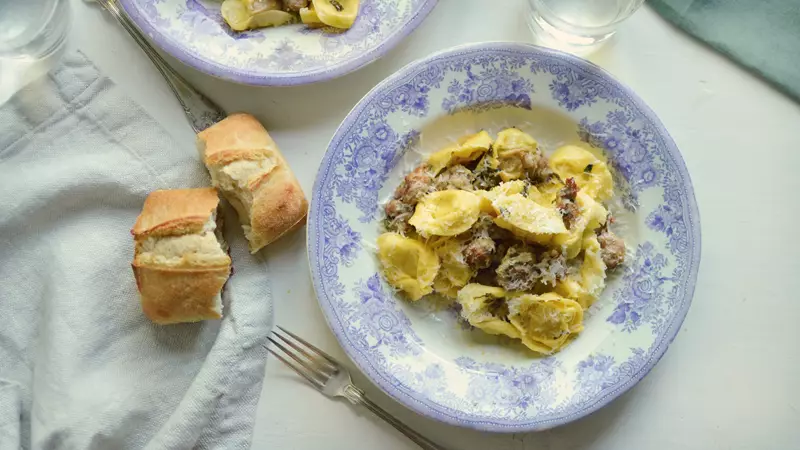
x: 454, y: 272
x: 592, y: 216
x: 521, y: 242
x: 545, y: 322
x: 585, y: 286
x: 544, y: 195
x: 525, y: 211
x: 485, y: 307
x: 526, y: 218
x: 243, y: 15
x: 467, y: 149
x: 589, y: 172
x: 338, y: 14
x: 518, y: 155
x: 408, y: 264
x: 446, y: 213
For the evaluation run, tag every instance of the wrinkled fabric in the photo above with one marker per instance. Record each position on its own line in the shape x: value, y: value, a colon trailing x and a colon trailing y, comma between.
x: 80, y: 365
x: 763, y: 36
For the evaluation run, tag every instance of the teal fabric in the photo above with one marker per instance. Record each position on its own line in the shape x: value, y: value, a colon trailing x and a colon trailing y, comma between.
x: 761, y: 35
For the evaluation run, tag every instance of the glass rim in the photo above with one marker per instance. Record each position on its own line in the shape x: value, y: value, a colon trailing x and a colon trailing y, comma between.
x: 51, y: 18
x: 541, y: 4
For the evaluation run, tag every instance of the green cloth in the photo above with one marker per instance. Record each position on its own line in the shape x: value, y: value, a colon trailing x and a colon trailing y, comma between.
x: 761, y: 35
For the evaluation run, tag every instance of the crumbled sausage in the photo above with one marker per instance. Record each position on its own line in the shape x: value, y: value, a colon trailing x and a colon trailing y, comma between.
x: 570, y: 190
x: 487, y: 245
x: 397, y: 216
x: 455, y: 177
x: 566, y: 202
x: 416, y: 185
x: 480, y: 249
x: 394, y: 208
x: 531, y: 165
x: 569, y: 212
x: 612, y: 248
x: 399, y: 210
x: 537, y: 169
x: 516, y: 272
x: 552, y: 267
x: 522, y: 268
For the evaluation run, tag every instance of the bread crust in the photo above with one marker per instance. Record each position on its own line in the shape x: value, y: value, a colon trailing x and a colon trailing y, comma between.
x: 237, y: 137
x: 278, y: 205
x: 175, y: 212
x: 188, y: 292
x: 180, y: 295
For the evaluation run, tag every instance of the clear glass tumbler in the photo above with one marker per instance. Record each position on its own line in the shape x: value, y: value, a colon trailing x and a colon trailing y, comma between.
x: 578, y: 26
x: 32, y: 38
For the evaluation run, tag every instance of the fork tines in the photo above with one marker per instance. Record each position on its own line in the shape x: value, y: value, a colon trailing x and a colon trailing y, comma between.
x: 311, y: 363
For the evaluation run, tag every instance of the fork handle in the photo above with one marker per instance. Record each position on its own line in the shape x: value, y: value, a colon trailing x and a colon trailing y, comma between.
x: 357, y: 397
x: 199, y: 109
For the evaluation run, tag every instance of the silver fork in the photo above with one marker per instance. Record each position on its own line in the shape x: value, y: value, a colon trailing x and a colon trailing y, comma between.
x: 199, y: 109
x: 332, y: 379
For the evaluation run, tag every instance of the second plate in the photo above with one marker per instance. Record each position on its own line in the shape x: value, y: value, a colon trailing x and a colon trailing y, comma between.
x: 193, y: 31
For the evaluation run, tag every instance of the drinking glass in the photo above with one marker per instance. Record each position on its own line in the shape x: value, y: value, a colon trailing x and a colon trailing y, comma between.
x: 32, y: 37
x: 578, y: 26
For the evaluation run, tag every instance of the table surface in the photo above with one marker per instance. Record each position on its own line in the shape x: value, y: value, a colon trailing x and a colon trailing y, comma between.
x: 725, y: 381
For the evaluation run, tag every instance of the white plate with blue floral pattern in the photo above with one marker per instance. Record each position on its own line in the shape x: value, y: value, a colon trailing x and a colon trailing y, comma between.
x: 193, y: 31
x: 418, y: 353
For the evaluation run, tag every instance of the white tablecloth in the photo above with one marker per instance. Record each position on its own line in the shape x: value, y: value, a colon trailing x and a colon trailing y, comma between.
x: 80, y: 365
x: 727, y: 380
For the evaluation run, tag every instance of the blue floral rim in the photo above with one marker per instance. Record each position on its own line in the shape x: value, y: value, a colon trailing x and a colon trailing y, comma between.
x: 215, y: 69
x: 409, y: 397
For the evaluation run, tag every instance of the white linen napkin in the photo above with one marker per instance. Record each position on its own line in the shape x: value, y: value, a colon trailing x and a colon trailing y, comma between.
x: 80, y: 365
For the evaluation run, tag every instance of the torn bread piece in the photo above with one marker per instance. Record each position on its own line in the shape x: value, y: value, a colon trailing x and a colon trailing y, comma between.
x: 247, y: 167
x: 180, y: 258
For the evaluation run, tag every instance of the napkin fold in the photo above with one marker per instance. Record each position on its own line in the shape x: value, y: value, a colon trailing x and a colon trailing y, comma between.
x: 763, y: 35
x: 80, y: 365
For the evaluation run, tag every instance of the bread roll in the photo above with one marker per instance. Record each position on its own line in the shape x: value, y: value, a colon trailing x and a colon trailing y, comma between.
x: 247, y: 167
x: 180, y: 259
